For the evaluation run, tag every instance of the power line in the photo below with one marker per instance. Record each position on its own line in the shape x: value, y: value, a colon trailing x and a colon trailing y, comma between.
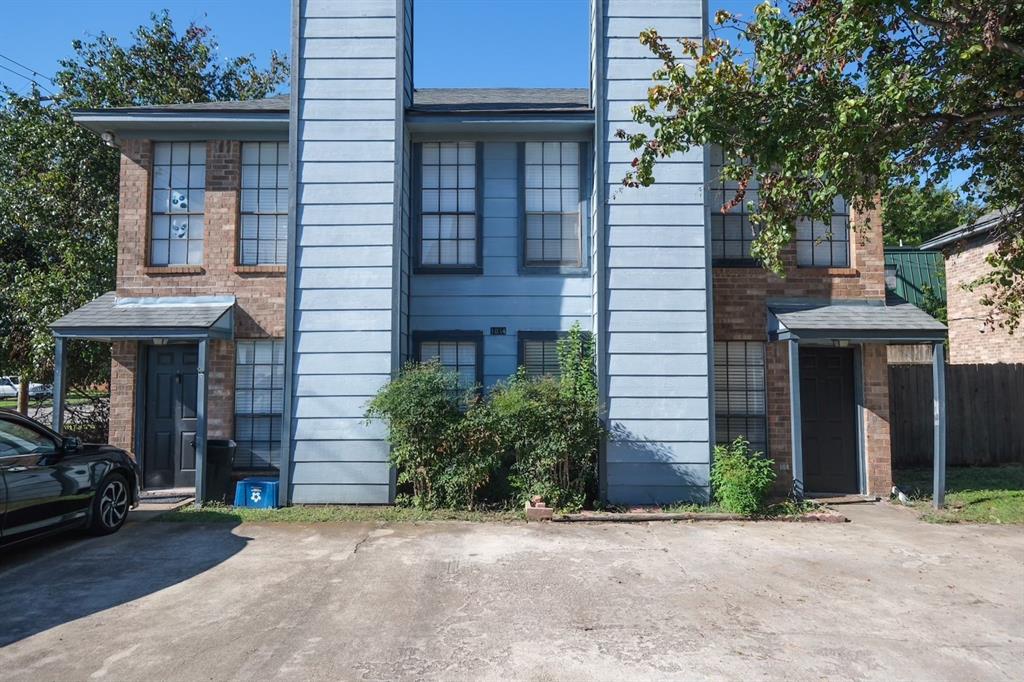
x: 28, y: 68
x: 30, y: 80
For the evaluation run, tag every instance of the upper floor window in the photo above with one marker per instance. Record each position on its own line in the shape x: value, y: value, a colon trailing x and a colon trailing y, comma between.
x: 732, y: 233
x: 263, y: 239
x: 449, y: 228
x: 179, y: 196
x: 825, y: 244
x: 551, y: 182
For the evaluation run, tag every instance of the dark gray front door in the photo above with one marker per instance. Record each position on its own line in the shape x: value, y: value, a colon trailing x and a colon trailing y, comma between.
x: 169, y: 456
x: 829, y: 430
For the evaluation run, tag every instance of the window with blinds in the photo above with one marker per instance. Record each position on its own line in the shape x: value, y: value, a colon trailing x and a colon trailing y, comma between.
x: 552, y: 204
x: 263, y: 238
x: 179, y: 202
x: 740, y: 407
x: 732, y: 233
x: 448, y: 220
x: 259, y: 403
x: 825, y: 244
x: 538, y: 353
x: 457, y: 354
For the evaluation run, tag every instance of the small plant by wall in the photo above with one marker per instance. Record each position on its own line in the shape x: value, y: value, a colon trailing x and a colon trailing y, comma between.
x: 740, y: 478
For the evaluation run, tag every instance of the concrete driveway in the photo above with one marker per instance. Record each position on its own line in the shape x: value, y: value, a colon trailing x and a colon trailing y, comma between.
x: 884, y: 597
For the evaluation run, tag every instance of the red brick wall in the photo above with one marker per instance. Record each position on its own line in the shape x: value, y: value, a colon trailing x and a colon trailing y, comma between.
x: 740, y: 296
x: 259, y: 290
x: 971, y: 340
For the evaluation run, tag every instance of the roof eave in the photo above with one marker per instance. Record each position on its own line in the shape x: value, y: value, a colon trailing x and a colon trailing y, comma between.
x: 179, y: 124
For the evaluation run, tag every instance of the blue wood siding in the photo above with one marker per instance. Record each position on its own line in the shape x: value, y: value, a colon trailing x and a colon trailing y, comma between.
x: 500, y: 296
x: 345, y: 307
x: 655, y: 276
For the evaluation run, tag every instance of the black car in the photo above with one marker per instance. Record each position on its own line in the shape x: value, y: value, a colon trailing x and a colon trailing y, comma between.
x: 50, y: 483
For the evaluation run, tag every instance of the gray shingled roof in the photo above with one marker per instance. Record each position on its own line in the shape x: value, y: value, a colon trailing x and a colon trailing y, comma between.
x: 424, y: 99
x: 895, y: 320
x: 501, y: 99
x: 110, y: 313
x: 269, y: 105
x: 980, y: 226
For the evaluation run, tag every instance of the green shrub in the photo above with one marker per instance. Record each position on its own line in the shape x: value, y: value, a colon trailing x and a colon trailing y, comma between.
x: 447, y: 444
x: 427, y: 416
x: 741, y: 479
x: 553, y: 427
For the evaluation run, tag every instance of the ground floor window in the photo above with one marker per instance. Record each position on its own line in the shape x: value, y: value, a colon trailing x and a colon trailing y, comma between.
x: 740, y: 393
x: 459, y: 351
x: 259, y: 403
x: 538, y: 353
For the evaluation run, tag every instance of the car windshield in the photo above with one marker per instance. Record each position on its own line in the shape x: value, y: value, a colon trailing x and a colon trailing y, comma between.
x: 17, y: 439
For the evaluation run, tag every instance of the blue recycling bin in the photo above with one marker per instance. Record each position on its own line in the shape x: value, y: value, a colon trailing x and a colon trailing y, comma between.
x: 259, y: 492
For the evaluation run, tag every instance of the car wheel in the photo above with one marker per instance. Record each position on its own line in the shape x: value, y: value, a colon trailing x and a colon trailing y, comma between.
x: 110, y: 505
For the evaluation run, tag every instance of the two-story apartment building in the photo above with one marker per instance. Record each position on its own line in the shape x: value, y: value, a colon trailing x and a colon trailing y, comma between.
x: 280, y: 259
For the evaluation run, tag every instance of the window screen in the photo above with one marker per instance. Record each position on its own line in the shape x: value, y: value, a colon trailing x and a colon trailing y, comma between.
x: 539, y: 354
x: 448, y: 224
x: 179, y: 197
x: 740, y: 393
x: 732, y: 233
x: 552, y: 197
x: 458, y: 355
x: 820, y: 244
x: 259, y: 402
x: 263, y: 238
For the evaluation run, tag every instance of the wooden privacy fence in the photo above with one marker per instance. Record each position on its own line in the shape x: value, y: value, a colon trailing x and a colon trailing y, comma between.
x: 984, y: 414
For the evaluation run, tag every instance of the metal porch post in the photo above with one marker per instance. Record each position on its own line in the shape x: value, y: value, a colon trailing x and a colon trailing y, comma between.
x: 201, y: 412
x: 59, y: 384
x: 796, y: 427
x: 939, y: 412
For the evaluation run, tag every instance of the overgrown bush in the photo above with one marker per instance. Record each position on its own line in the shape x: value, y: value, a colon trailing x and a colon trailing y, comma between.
x: 740, y: 478
x: 553, y: 426
x: 423, y: 406
x: 448, y: 443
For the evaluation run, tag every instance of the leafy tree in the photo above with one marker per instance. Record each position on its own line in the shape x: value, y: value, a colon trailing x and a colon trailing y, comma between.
x: 912, y: 215
x: 59, y: 183
x: 857, y: 98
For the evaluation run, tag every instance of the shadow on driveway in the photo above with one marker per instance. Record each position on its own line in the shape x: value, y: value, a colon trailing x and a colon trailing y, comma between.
x: 58, y: 580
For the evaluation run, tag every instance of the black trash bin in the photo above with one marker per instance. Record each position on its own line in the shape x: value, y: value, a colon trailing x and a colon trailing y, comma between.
x: 220, y: 460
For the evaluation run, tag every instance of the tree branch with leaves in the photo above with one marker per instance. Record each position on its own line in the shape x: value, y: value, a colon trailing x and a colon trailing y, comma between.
x: 852, y: 98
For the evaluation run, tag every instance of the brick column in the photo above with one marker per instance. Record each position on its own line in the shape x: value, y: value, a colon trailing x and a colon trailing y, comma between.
x: 779, y: 424
x: 123, y: 365
x: 868, y: 253
x: 875, y: 371
x: 133, y: 211
x: 220, y: 416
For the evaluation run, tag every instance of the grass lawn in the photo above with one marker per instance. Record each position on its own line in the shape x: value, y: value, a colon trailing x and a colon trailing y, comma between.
x: 332, y: 514
x: 217, y: 513
x: 973, y: 494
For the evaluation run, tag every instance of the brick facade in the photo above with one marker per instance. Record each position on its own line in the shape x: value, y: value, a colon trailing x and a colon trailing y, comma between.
x: 259, y: 290
x: 741, y: 313
x: 971, y: 340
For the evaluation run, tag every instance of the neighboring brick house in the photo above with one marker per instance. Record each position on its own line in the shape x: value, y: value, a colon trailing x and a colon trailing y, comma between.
x: 972, y: 340
x: 268, y: 300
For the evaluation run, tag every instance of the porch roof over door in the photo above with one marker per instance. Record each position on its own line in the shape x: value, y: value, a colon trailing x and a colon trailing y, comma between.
x: 892, y: 321
x: 110, y: 318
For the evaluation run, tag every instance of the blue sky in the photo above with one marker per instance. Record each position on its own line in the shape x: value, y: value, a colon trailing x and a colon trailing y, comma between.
x: 459, y: 43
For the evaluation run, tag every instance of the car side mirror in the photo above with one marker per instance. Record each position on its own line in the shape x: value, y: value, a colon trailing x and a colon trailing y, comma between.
x: 71, y: 444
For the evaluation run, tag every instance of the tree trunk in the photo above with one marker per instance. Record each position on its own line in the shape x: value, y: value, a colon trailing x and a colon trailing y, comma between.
x: 23, y: 395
